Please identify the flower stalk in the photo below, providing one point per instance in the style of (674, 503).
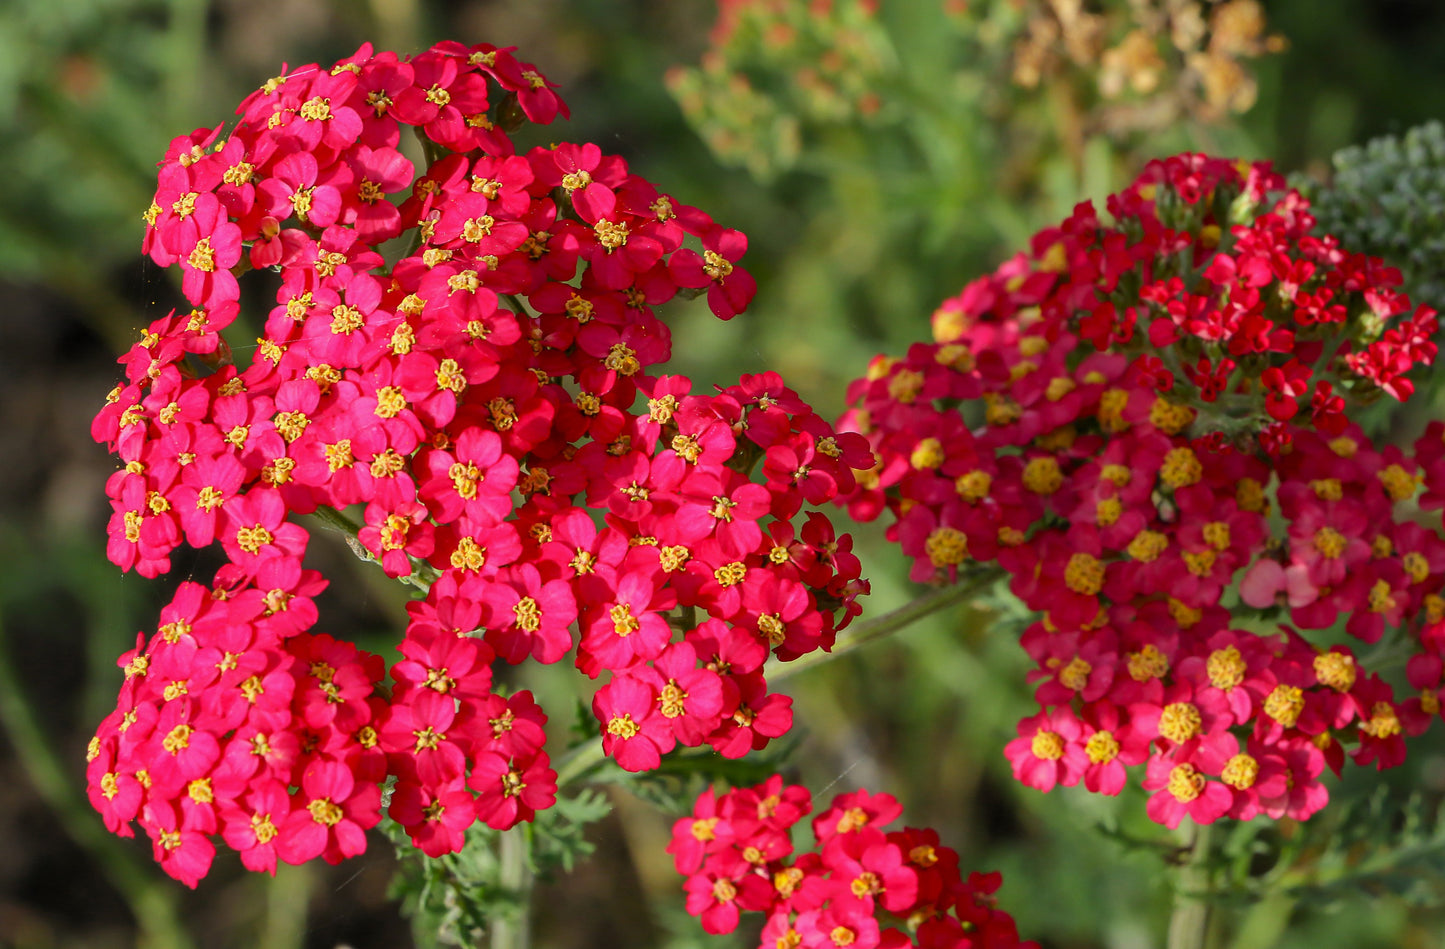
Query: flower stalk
(514, 930)
(1189, 922)
(879, 627)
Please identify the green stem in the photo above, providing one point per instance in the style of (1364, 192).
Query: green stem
(433, 152)
(510, 932)
(1265, 924)
(861, 634)
(582, 759)
(1189, 923)
(336, 520)
(150, 899)
(422, 575)
(578, 762)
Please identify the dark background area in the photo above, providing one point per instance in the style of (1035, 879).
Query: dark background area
(91, 91)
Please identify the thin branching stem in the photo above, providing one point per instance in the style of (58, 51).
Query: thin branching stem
(515, 877)
(578, 763)
(879, 627)
(1189, 923)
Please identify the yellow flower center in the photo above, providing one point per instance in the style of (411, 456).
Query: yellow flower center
(1383, 722)
(1111, 410)
(1216, 535)
(946, 546)
(1117, 475)
(324, 812)
(528, 614)
(622, 360)
(1147, 546)
(1184, 614)
(390, 402)
(291, 425)
(688, 448)
(927, 454)
(316, 109)
(1285, 704)
(730, 574)
(1200, 563)
(1179, 722)
(1181, 468)
(1240, 772)
(771, 626)
(1047, 745)
(905, 385)
(622, 726)
(252, 689)
(1169, 418)
(262, 827)
(469, 555)
(252, 539)
(623, 622)
(1042, 475)
(611, 234)
(715, 265)
(672, 700)
(465, 478)
(1380, 599)
(1102, 747)
(338, 455)
(1399, 484)
(1329, 542)
(973, 486)
(1185, 783)
(703, 829)
(1226, 668)
(477, 228)
(1059, 387)
(1084, 574)
(1075, 675)
(202, 257)
(1148, 663)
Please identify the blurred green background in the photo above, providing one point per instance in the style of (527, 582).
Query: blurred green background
(866, 225)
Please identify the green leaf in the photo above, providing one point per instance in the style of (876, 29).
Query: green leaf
(558, 834)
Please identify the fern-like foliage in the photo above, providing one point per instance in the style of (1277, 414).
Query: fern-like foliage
(1387, 198)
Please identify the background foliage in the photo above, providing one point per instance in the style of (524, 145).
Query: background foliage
(856, 234)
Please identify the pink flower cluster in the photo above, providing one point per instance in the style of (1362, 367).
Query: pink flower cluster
(475, 399)
(861, 886)
(1143, 422)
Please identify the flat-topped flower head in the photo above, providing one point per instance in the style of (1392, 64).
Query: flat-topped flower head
(1150, 406)
(856, 886)
(461, 351)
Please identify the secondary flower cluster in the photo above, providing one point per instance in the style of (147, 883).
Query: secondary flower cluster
(474, 400)
(1154, 63)
(779, 74)
(861, 886)
(1144, 423)
(776, 71)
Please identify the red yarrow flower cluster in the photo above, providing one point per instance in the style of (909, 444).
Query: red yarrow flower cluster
(466, 405)
(1154, 436)
(861, 885)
